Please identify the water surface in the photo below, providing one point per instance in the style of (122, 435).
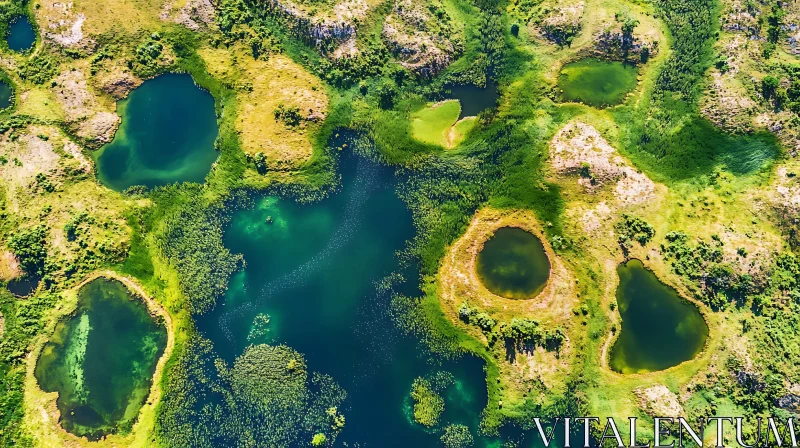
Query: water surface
(21, 35)
(101, 360)
(474, 99)
(5, 95)
(597, 82)
(659, 329)
(313, 270)
(513, 264)
(167, 135)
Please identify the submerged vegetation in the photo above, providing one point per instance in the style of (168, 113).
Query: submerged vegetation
(305, 91)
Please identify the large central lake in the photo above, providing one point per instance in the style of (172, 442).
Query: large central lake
(313, 270)
(659, 328)
(167, 135)
(101, 360)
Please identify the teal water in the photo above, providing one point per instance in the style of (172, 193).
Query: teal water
(513, 264)
(597, 82)
(659, 329)
(167, 135)
(101, 360)
(21, 35)
(5, 95)
(313, 270)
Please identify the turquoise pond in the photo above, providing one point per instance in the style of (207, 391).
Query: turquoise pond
(167, 135)
(312, 269)
(21, 35)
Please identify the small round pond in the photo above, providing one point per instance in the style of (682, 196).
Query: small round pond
(513, 264)
(167, 135)
(6, 93)
(101, 360)
(659, 328)
(21, 35)
(597, 82)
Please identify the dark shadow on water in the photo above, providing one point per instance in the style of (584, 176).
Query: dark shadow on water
(474, 99)
(23, 286)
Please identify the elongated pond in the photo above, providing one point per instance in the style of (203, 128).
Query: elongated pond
(21, 35)
(312, 269)
(513, 264)
(5, 95)
(167, 135)
(659, 328)
(101, 360)
(597, 82)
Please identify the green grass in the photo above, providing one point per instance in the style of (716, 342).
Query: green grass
(434, 123)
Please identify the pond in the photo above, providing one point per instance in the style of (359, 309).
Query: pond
(659, 328)
(167, 135)
(513, 264)
(101, 360)
(313, 270)
(597, 82)
(474, 99)
(21, 35)
(6, 92)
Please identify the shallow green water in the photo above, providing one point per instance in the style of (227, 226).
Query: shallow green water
(513, 264)
(21, 35)
(5, 95)
(597, 82)
(659, 329)
(101, 360)
(312, 269)
(167, 135)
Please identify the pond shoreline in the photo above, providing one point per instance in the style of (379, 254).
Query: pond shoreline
(41, 413)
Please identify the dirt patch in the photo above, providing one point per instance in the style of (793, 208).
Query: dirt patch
(84, 111)
(579, 149)
(659, 401)
(62, 24)
(9, 266)
(194, 14)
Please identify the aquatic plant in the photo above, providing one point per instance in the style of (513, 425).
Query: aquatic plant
(428, 404)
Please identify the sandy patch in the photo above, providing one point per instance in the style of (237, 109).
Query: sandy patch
(579, 149)
(659, 401)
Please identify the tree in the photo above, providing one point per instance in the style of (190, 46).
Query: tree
(30, 247)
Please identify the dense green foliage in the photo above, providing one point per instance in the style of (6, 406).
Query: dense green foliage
(265, 399)
(192, 243)
(29, 246)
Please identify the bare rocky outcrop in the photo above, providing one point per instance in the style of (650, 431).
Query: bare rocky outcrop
(659, 401)
(562, 23)
(325, 33)
(118, 83)
(83, 110)
(612, 43)
(410, 32)
(64, 26)
(194, 15)
(578, 149)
